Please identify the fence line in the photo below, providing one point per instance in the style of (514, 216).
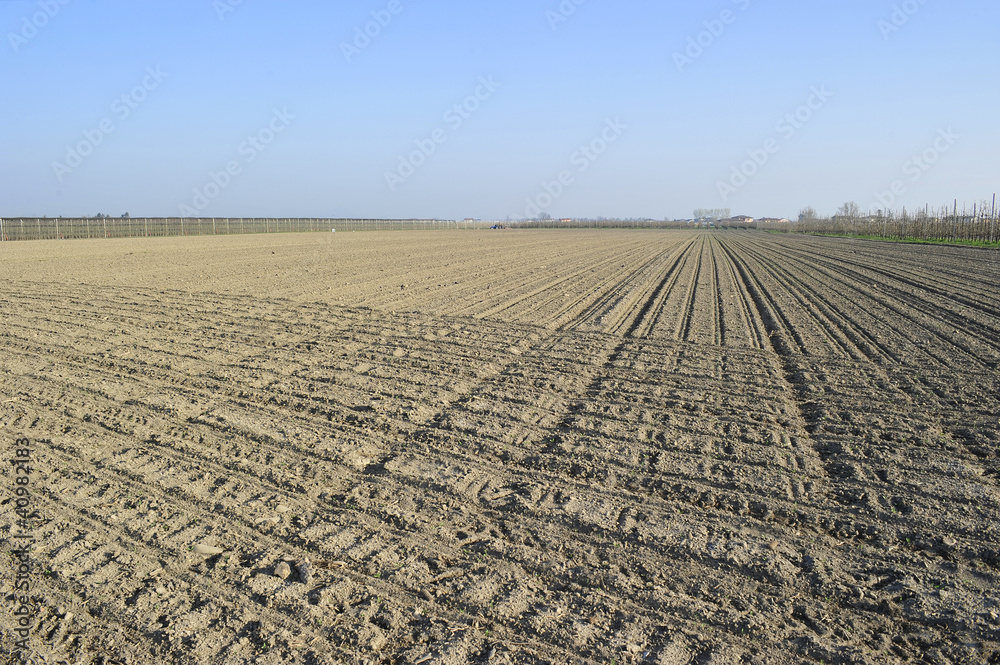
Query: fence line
(981, 224)
(66, 228)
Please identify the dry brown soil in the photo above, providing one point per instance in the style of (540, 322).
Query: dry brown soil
(504, 447)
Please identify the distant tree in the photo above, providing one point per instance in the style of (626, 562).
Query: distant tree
(808, 214)
(125, 216)
(850, 210)
(712, 213)
(544, 217)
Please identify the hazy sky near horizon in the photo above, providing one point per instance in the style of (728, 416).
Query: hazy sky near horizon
(416, 108)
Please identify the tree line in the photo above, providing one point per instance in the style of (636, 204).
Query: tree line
(978, 224)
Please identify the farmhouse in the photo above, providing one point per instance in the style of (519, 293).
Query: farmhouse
(738, 219)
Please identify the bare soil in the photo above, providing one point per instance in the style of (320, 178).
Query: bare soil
(504, 447)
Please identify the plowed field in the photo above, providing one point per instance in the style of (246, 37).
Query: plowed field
(503, 447)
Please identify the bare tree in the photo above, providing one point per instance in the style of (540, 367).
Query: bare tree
(850, 210)
(711, 213)
(808, 214)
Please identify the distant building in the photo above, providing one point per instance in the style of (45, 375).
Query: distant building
(738, 219)
(774, 220)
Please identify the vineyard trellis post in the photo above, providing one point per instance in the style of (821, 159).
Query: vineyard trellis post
(955, 220)
(976, 211)
(993, 220)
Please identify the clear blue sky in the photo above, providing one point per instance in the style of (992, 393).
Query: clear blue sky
(668, 131)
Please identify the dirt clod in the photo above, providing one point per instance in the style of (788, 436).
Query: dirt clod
(282, 570)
